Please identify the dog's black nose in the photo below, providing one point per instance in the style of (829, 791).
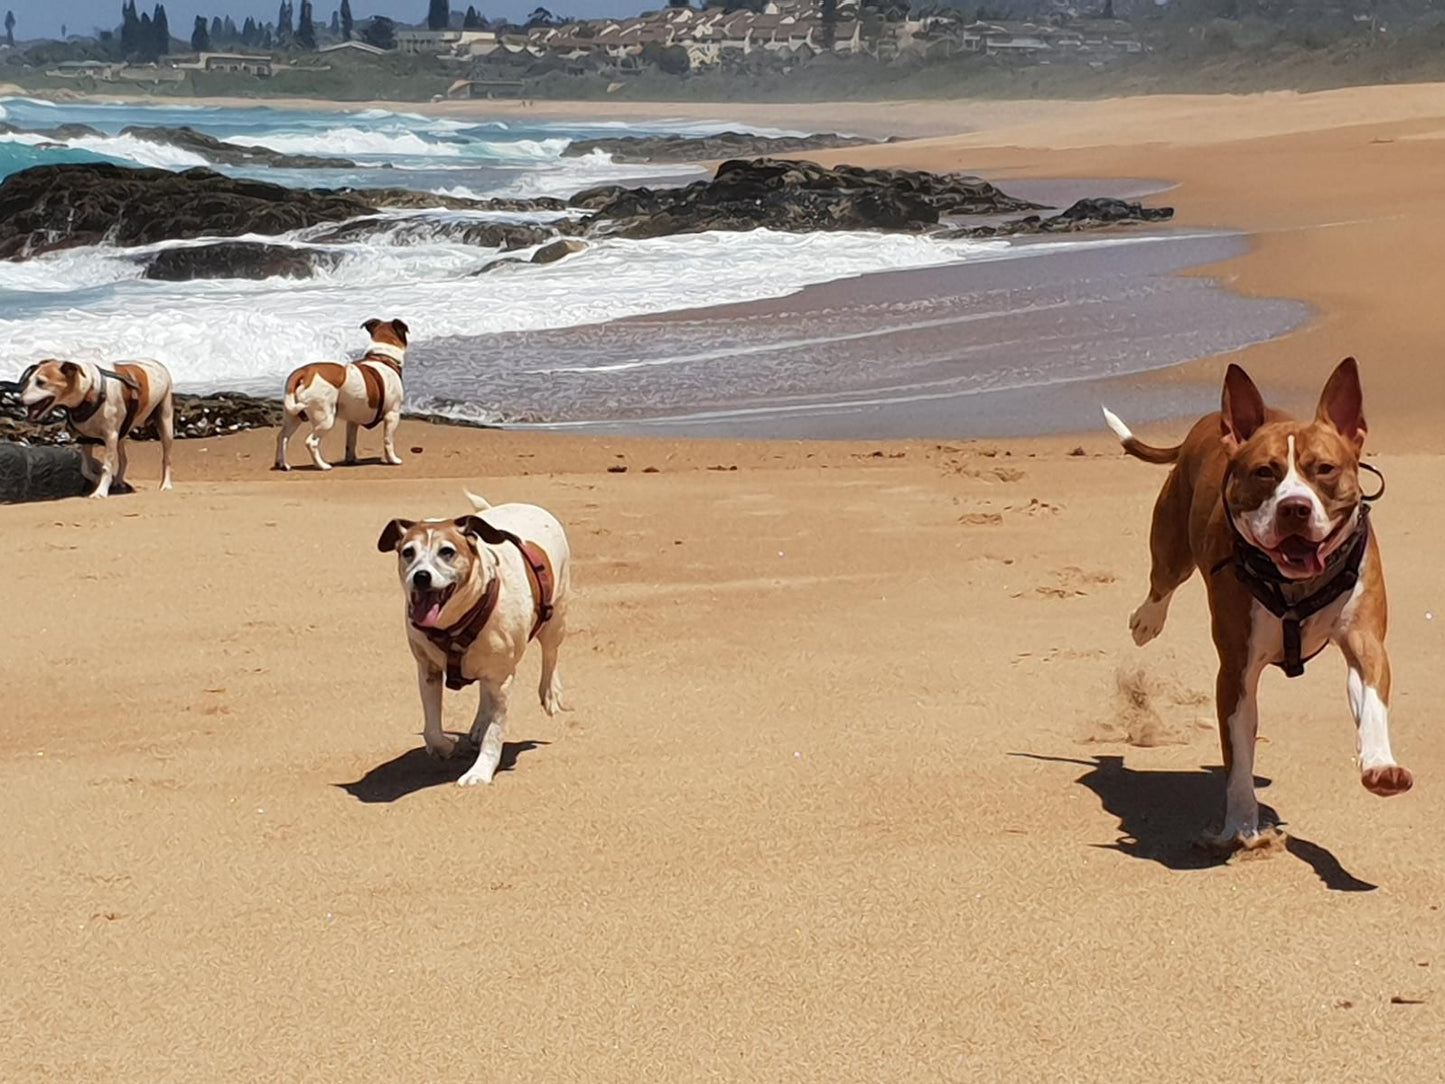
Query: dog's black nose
(1295, 510)
(421, 579)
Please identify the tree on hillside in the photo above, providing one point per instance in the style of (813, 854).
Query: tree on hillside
(10, 28)
(472, 20)
(438, 14)
(346, 23)
(201, 36)
(129, 29)
(285, 26)
(540, 17)
(305, 28)
(216, 31)
(145, 40)
(830, 23)
(228, 30)
(679, 3)
(335, 27)
(160, 31)
(248, 31)
(380, 32)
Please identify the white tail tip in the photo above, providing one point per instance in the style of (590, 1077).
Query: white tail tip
(479, 503)
(1116, 423)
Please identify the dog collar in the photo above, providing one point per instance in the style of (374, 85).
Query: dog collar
(1274, 591)
(386, 351)
(87, 410)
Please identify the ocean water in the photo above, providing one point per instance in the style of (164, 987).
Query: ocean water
(561, 344)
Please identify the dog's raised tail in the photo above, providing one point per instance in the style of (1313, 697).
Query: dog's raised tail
(1136, 447)
(481, 504)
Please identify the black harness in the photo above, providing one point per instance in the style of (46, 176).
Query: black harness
(1277, 592)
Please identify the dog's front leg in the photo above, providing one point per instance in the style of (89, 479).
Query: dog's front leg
(388, 438)
(487, 732)
(429, 680)
(1237, 701)
(1369, 688)
(109, 458)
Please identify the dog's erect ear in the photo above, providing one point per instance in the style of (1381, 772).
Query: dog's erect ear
(1342, 403)
(401, 330)
(1242, 408)
(370, 325)
(392, 534)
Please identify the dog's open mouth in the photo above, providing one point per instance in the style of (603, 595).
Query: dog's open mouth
(37, 411)
(1298, 556)
(425, 605)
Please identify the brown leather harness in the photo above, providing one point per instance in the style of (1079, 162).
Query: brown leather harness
(130, 396)
(376, 383)
(456, 641)
(1272, 590)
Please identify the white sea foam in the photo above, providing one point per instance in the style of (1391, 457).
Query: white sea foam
(121, 147)
(245, 334)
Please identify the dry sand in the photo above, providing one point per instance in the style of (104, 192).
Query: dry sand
(864, 779)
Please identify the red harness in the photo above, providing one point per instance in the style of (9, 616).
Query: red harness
(376, 383)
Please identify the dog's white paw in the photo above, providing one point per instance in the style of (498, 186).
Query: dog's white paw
(1147, 621)
(166, 487)
(393, 461)
(478, 773)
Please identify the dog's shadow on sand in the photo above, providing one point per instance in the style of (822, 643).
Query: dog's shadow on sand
(1162, 813)
(416, 769)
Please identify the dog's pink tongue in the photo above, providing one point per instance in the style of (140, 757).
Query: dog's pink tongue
(432, 616)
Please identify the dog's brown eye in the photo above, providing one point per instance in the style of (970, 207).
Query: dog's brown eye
(1325, 469)
(409, 552)
(1264, 472)
(446, 553)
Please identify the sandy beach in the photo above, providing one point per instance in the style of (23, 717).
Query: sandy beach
(864, 779)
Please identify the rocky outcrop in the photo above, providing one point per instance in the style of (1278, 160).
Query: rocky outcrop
(218, 152)
(60, 132)
(406, 198)
(794, 195)
(1086, 214)
(39, 474)
(239, 260)
(711, 148)
(62, 206)
(557, 250)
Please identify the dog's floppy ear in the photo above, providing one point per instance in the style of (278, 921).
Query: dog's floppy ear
(477, 527)
(1242, 408)
(370, 325)
(69, 369)
(392, 533)
(401, 330)
(1342, 403)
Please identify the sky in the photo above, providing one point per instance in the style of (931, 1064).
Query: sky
(44, 18)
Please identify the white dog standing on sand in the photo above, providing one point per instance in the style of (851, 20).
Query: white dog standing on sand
(104, 406)
(478, 590)
(368, 393)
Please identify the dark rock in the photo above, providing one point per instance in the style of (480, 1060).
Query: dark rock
(677, 148)
(557, 249)
(60, 131)
(406, 198)
(422, 231)
(239, 260)
(1086, 214)
(221, 153)
(794, 195)
(55, 207)
(40, 474)
(496, 264)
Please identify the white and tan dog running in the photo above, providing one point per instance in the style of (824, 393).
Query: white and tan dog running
(1271, 512)
(366, 393)
(104, 406)
(478, 590)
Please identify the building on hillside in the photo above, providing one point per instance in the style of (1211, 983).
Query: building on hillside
(244, 63)
(352, 47)
(427, 42)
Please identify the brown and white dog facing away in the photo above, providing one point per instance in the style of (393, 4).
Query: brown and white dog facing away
(1271, 512)
(104, 406)
(366, 393)
(478, 589)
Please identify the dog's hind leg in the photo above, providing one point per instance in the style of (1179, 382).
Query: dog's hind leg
(388, 438)
(487, 733)
(352, 429)
(1171, 561)
(549, 689)
(289, 424)
(166, 423)
(322, 420)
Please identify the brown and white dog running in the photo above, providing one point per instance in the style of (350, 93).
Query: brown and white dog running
(1271, 512)
(104, 406)
(478, 590)
(366, 393)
